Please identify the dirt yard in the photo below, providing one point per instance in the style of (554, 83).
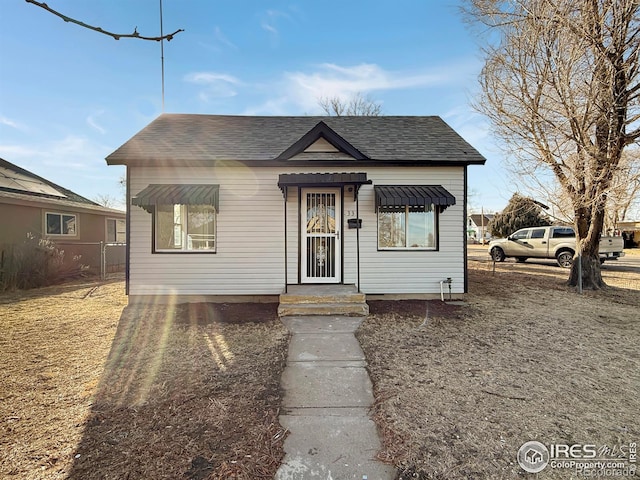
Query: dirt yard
(91, 389)
(459, 389)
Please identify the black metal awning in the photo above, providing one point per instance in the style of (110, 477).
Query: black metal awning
(396, 196)
(191, 194)
(322, 180)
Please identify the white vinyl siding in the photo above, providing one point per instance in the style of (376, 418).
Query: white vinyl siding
(407, 271)
(249, 255)
(250, 249)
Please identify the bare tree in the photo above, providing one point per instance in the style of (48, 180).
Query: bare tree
(116, 36)
(625, 189)
(105, 200)
(357, 105)
(560, 86)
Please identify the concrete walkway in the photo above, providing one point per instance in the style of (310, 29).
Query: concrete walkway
(327, 395)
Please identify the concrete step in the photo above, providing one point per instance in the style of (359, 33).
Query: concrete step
(354, 309)
(292, 298)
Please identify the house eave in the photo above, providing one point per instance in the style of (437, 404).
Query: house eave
(155, 162)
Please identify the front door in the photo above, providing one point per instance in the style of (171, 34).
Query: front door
(321, 251)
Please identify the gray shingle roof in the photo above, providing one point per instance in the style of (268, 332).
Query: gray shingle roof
(185, 138)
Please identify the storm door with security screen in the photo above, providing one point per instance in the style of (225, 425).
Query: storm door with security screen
(321, 252)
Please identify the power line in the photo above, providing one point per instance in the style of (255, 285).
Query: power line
(162, 54)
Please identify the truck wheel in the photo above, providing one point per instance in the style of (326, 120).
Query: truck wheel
(521, 259)
(497, 254)
(565, 258)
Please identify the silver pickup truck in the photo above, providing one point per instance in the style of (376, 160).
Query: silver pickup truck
(549, 242)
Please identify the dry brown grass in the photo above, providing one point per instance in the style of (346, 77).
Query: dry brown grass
(91, 389)
(526, 359)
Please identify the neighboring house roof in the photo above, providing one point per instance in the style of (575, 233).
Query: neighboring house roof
(196, 139)
(21, 186)
(476, 218)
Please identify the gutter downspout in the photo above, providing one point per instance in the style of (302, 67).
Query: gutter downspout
(358, 238)
(127, 252)
(286, 280)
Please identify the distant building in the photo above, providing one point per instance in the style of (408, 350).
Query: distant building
(32, 205)
(478, 227)
(630, 231)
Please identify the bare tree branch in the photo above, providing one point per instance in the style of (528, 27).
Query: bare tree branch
(561, 87)
(357, 105)
(116, 36)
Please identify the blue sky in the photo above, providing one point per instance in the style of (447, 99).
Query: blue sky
(70, 96)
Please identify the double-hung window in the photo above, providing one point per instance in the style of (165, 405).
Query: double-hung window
(185, 228)
(407, 227)
(61, 224)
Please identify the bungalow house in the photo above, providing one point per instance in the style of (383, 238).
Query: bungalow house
(228, 206)
(32, 205)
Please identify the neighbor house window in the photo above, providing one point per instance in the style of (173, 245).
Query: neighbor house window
(116, 230)
(180, 228)
(61, 224)
(407, 227)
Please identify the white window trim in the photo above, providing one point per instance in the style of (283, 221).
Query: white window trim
(185, 235)
(436, 233)
(62, 235)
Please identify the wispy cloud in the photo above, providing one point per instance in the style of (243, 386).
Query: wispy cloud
(205, 78)
(298, 92)
(91, 120)
(271, 22)
(472, 126)
(222, 38)
(218, 43)
(76, 152)
(214, 85)
(332, 80)
(273, 106)
(75, 162)
(18, 152)
(70, 152)
(270, 19)
(13, 124)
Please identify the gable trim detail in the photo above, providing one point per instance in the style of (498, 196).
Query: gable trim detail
(322, 130)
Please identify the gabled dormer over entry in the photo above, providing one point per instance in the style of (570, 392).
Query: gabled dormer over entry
(320, 141)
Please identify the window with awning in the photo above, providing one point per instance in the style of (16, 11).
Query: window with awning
(408, 215)
(389, 197)
(172, 194)
(184, 216)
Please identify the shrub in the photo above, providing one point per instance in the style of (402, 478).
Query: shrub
(37, 262)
